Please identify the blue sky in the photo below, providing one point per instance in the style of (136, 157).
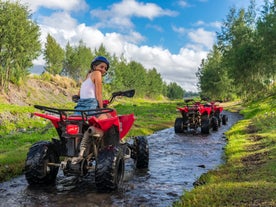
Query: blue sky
(172, 36)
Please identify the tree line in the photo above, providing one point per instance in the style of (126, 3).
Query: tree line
(20, 45)
(242, 63)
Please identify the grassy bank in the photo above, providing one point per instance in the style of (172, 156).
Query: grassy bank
(18, 135)
(249, 174)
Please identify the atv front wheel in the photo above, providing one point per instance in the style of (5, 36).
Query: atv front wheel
(141, 152)
(224, 119)
(110, 167)
(37, 170)
(205, 126)
(214, 123)
(218, 116)
(178, 125)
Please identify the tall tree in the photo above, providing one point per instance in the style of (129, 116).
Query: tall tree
(175, 91)
(19, 42)
(117, 79)
(240, 46)
(266, 34)
(214, 82)
(154, 83)
(68, 61)
(135, 77)
(77, 61)
(53, 55)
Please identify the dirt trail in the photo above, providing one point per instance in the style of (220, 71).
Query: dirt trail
(176, 161)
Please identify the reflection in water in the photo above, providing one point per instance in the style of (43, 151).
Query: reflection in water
(176, 161)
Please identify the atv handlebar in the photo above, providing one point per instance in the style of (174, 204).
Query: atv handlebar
(129, 93)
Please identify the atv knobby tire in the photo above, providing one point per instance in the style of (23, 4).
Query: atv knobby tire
(224, 119)
(110, 167)
(178, 125)
(215, 123)
(141, 152)
(205, 126)
(37, 170)
(217, 114)
(111, 137)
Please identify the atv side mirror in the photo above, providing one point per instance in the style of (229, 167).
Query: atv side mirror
(205, 99)
(128, 93)
(188, 100)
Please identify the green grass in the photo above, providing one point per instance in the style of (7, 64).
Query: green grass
(248, 176)
(14, 148)
(20, 118)
(149, 117)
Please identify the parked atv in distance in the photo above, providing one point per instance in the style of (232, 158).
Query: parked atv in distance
(216, 113)
(86, 144)
(194, 115)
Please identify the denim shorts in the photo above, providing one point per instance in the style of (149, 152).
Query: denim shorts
(86, 104)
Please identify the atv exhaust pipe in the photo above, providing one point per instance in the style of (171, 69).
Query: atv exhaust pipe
(87, 140)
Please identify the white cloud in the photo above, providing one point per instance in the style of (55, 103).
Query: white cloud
(155, 27)
(183, 3)
(67, 5)
(179, 30)
(119, 14)
(215, 24)
(60, 20)
(202, 37)
(199, 23)
(133, 8)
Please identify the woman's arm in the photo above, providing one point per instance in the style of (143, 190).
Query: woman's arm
(97, 80)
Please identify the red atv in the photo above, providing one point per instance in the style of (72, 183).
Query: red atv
(216, 111)
(193, 117)
(86, 144)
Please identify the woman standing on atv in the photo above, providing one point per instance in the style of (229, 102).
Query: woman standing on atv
(91, 89)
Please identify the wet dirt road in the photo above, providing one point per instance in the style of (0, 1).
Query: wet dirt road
(176, 161)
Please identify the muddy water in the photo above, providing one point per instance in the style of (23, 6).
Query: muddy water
(176, 161)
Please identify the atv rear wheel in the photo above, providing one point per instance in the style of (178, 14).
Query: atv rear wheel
(141, 152)
(111, 137)
(37, 170)
(224, 119)
(178, 125)
(218, 116)
(205, 126)
(110, 167)
(214, 123)
(219, 121)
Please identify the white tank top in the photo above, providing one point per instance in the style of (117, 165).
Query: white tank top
(87, 89)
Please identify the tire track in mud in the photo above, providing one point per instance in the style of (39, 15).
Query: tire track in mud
(176, 161)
